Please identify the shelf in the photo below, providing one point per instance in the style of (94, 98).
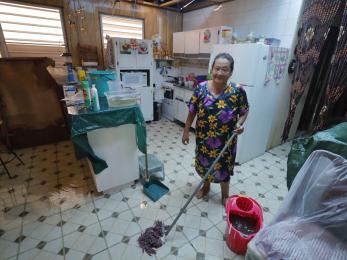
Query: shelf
(164, 59)
(194, 57)
(163, 62)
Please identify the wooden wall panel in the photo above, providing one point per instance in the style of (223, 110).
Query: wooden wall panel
(155, 20)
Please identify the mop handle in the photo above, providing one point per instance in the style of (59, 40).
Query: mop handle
(146, 166)
(201, 182)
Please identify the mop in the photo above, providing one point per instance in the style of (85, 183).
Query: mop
(154, 237)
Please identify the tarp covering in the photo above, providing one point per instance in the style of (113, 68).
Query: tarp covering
(333, 140)
(84, 122)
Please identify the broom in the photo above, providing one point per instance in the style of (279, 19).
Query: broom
(152, 239)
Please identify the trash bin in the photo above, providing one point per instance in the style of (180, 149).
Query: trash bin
(157, 108)
(100, 78)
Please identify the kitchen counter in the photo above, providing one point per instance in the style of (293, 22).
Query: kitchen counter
(182, 96)
(183, 87)
(175, 103)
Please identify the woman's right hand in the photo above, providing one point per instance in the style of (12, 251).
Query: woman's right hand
(185, 137)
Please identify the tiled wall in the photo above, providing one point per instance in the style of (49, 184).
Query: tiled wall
(271, 18)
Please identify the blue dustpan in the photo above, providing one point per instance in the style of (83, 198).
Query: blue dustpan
(154, 189)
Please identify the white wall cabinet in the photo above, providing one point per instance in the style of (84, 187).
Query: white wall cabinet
(208, 37)
(191, 42)
(178, 42)
(201, 41)
(129, 58)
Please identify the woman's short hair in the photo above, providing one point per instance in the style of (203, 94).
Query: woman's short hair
(226, 56)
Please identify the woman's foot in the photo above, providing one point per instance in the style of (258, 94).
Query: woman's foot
(225, 192)
(205, 189)
(224, 200)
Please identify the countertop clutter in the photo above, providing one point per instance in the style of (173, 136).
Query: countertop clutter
(107, 127)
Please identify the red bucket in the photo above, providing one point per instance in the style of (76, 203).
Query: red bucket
(244, 220)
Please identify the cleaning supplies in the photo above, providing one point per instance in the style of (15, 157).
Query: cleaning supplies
(86, 93)
(244, 220)
(100, 78)
(81, 74)
(95, 98)
(152, 239)
(70, 74)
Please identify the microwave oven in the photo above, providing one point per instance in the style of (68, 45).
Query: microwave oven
(134, 78)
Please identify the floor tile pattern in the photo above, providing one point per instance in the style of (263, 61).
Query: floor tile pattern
(50, 208)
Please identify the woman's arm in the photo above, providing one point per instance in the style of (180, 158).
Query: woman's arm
(239, 127)
(242, 119)
(189, 121)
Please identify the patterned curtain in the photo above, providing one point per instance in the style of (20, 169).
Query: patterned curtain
(337, 82)
(316, 19)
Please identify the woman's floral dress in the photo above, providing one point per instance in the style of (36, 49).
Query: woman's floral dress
(216, 120)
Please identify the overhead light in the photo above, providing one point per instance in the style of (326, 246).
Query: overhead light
(188, 4)
(217, 8)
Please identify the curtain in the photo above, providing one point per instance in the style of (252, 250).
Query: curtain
(316, 19)
(337, 82)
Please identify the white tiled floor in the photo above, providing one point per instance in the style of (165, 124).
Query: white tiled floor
(51, 210)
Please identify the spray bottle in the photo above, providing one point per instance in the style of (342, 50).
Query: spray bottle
(95, 98)
(86, 93)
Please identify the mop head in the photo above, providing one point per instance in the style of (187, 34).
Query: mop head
(151, 239)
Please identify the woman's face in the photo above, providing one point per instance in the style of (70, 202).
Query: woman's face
(221, 71)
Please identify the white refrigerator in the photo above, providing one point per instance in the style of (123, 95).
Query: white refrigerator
(250, 69)
(133, 59)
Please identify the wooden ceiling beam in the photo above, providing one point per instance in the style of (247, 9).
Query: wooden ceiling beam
(170, 3)
(151, 4)
(200, 5)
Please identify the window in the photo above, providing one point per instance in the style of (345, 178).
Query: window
(32, 31)
(117, 26)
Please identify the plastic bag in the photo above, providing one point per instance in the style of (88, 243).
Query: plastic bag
(332, 140)
(312, 220)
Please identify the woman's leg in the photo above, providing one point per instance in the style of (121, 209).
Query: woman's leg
(225, 191)
(205, 189)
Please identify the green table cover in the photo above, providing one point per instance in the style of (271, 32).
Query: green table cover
(333, 140)
(85, 121)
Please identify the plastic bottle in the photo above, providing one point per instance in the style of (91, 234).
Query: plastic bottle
(95, 98)
(86, 93)
(70, 74)
(81, 74)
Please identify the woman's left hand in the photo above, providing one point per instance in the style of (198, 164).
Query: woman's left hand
(239, 130)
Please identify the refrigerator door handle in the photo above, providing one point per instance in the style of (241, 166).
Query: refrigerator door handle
(130, 88)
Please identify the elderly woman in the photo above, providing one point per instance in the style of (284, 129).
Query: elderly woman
(221, 109)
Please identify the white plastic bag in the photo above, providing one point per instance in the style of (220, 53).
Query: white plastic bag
(312, 220)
